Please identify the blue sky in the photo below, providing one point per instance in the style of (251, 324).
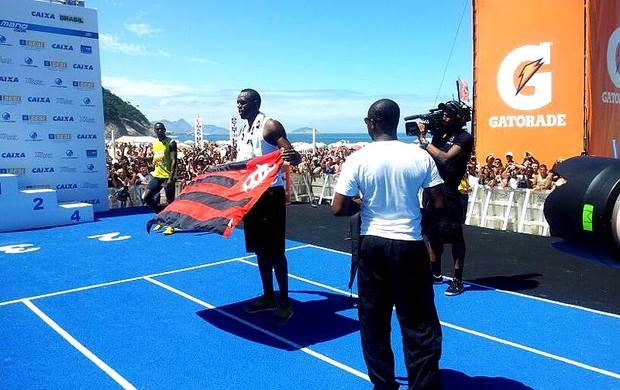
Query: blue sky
(316, 64)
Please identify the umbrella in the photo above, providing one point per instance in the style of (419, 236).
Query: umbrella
(355, 224)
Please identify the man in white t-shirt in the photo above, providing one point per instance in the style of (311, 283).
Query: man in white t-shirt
(394, 267)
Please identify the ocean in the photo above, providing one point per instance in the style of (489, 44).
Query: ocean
(327, 138)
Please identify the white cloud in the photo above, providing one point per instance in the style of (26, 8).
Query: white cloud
(326, 110)
(127, 87)
(142, 29)
(112, 43)
(201, 60)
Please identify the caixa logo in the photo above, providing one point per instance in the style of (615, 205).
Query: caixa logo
(38, 99)
(66, 186)
(44, 15)
(91, 201)
(13, 155)
(82, 66)
(42, 170)
(86, 136)
(63, 118)
(62, 46)
(9, 79)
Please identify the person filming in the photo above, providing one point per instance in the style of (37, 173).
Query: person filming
(451, 147)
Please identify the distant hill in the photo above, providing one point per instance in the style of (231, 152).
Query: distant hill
(177, 127)
(123, 118)
(303, 130)
(182, 127)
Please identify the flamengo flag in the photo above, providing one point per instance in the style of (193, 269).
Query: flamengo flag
(463, 90)
(217, 200)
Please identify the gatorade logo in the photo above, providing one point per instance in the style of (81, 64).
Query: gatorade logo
(613, 57)
(532, 89)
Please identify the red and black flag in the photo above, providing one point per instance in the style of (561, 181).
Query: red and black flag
(217, 200)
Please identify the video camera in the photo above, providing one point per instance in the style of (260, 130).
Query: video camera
(433, 120)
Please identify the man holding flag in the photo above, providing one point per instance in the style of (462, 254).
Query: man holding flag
(264, 225)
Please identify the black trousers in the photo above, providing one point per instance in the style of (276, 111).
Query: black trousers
(397, 273)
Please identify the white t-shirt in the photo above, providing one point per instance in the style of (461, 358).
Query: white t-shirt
(389, 176)
(251, 143)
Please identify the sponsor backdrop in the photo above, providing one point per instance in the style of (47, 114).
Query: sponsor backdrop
(51, 105)
(604, 73)
(540, 77)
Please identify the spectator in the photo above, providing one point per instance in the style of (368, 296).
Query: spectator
(542, 180)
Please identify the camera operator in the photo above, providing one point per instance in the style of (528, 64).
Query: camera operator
(451, 148)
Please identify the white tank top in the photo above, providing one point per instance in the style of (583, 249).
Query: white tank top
(251, 143)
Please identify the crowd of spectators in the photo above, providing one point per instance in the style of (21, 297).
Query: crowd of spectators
(128, 169)
(508, 173)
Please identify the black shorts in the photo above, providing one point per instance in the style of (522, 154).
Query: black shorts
(447, 224)
(265, 224)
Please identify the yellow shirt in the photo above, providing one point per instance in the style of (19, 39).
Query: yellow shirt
(161, 159)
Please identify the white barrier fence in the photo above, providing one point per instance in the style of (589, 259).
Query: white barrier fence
(517, 210)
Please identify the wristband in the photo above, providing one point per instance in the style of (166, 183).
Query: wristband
(424, 145)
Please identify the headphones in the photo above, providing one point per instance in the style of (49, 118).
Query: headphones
(459, 111)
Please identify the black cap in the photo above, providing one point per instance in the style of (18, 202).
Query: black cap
(452, 107)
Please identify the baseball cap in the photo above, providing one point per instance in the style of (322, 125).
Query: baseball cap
(509, 154)
(450, 107)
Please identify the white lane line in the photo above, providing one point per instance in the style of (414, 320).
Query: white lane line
(473, 332)
(325, 286)
(32, 298)
(306, 350)
(507, 292)
(77, 345)
(243, 260)
(533, 350)
(117, 282)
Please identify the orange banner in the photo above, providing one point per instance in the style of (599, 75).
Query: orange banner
(604, 76)
(529, 78)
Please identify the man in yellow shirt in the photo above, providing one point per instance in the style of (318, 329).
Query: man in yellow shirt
(165, 162)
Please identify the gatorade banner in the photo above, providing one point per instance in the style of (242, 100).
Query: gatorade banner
(217, 200)
(604, 82)
(51, 104)
(529, 79)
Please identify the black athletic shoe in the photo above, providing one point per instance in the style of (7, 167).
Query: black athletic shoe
(283, 313)
(455, 288)
(262, 304)
(437, 279)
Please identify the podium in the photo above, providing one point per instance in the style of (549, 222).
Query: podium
(31, 209)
